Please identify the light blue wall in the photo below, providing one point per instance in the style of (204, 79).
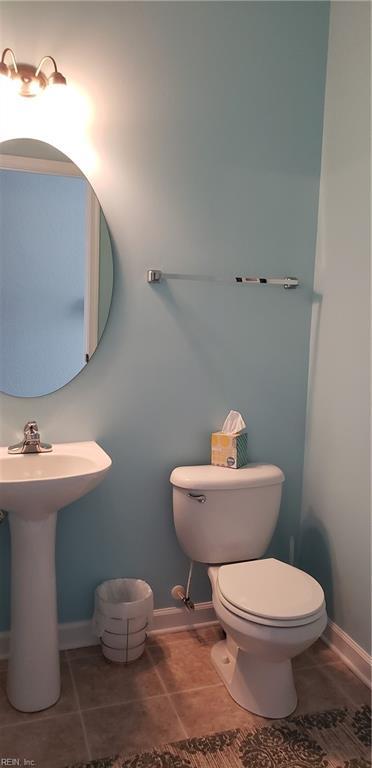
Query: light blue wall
(42, 270)
(209, 136)
(336, 527)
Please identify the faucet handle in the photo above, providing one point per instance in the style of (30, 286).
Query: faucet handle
(31, 431)
(31, 442)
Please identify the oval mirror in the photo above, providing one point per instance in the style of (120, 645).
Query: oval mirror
(56, 269)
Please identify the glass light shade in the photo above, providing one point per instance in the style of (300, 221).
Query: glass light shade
(56, 78)
(4, 70)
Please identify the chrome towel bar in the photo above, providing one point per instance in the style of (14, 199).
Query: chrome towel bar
(156, 276)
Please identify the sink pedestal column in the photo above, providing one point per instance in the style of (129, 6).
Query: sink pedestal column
(33, 673)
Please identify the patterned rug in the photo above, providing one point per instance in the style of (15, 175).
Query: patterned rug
(338, 738)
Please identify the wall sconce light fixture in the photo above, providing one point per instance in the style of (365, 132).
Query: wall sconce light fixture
(29, 80)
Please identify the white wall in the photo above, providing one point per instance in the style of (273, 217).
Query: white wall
(336, 525)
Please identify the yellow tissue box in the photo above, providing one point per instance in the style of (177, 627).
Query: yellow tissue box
(229, 450)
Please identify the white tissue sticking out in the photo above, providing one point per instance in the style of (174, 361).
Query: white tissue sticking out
(233, 423)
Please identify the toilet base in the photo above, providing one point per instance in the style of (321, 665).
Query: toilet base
(263, 687)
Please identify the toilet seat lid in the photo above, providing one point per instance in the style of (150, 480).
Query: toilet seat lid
(270, 589)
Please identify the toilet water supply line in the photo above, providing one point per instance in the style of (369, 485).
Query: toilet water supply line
(187, 599)
(180, 593)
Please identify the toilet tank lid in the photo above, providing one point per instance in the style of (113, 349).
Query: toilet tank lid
(208, 477)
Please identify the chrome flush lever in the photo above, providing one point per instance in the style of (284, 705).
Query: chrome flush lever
(198, 497)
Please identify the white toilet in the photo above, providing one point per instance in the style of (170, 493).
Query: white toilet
(269, 610)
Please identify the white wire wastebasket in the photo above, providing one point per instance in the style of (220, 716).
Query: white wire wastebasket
(122, 615)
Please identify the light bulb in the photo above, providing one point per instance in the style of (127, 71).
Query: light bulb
(7, 85)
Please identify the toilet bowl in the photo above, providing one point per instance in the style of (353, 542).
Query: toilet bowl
(270, 611)
(254, 661)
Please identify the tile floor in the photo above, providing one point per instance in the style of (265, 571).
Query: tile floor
(172, 692)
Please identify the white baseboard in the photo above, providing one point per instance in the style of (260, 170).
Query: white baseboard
(177, 619)
(355, 657)
(78, 634)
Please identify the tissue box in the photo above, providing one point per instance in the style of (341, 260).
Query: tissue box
(229, 450)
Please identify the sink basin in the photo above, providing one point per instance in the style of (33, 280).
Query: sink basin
(33, 484)
(33, 487)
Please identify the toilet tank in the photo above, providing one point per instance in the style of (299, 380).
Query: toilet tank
(225, 515)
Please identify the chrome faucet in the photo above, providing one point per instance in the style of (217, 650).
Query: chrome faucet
(31, 442)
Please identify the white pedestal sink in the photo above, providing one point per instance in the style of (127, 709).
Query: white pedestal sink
(33, 487)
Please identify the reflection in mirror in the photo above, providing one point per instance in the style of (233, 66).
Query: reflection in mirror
(56, 269)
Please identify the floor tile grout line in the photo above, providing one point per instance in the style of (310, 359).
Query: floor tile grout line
(350, 700)
(306, 665)
(171, 703)
(196, 690)
(180, 690)
(32, 720)
(314, 665)
(178, 718)
(151, 642)
(124, 702)
(152, 645)
(352, 704)
(77, 697)
(85, 656)
(79, 710)
(149, 646)
(150, 698)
